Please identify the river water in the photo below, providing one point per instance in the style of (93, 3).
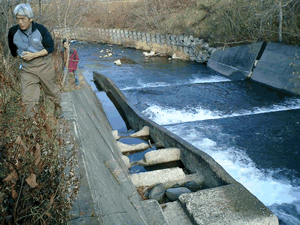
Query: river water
(250, 129)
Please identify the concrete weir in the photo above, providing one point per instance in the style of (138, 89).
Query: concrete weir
(222, 200)
(279, 67)
(273, 64)
(236, 62)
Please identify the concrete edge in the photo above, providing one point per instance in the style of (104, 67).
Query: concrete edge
(135, 120)
(229, 204)
(116, 166)
(154, 213)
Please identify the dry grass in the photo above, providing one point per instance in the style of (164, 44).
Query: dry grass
(141, 191)
(37, 159)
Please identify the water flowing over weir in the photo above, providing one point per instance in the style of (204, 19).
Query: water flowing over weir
(251, 130)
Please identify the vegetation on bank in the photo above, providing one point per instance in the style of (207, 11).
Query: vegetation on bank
(37, 158)
(38, 179)
(229, 22)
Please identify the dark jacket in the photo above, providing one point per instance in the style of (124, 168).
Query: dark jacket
(39, 39)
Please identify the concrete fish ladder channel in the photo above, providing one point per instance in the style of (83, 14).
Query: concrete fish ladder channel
(221, 200)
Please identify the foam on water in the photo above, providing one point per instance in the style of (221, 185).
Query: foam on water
(164, 116)
(272, 192)
(212, 79)
(141, 85)
(195, 80)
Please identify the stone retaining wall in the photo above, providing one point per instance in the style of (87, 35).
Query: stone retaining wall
(184, 47)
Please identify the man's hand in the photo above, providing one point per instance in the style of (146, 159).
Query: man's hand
(66, 45)
(28, 56)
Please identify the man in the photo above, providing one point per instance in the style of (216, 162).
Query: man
(33, 43)
(73, 60)
(73, 63)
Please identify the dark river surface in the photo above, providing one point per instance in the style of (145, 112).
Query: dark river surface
(250, 129)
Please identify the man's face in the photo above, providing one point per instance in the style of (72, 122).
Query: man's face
(23, 21)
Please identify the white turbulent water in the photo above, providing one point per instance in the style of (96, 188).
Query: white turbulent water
(235, 161)
(165, 116)
(195, 80)
(238, 164)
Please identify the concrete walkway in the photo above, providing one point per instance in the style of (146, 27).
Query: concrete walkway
(106, 196)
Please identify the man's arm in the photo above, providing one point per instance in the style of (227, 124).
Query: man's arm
(47, 41)
(30, 55)
(12, 47)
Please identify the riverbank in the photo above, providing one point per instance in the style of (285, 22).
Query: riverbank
(176, 47)
(37, 159)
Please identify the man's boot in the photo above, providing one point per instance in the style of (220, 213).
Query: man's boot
(57, 111)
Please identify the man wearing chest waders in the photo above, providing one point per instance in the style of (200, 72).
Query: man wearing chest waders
(33, 43)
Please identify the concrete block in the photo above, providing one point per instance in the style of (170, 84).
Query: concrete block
(186, 41)
(175, 214)
(154, 213)
(180, 40)
(115, 133)
(196, 177)
(141, 133)
(196, 42)
(173, 39)
(132, 148)
(186, 50)
(168, 177)
(126, 161)
(227, 205)
(160, 156)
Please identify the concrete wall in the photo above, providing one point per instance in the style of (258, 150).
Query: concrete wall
(185, 47)
(268, 63)
(279, 67)
(236, 62)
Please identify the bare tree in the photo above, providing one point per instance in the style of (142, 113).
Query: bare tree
(69, 14)
(6, 15)
(280, 20)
